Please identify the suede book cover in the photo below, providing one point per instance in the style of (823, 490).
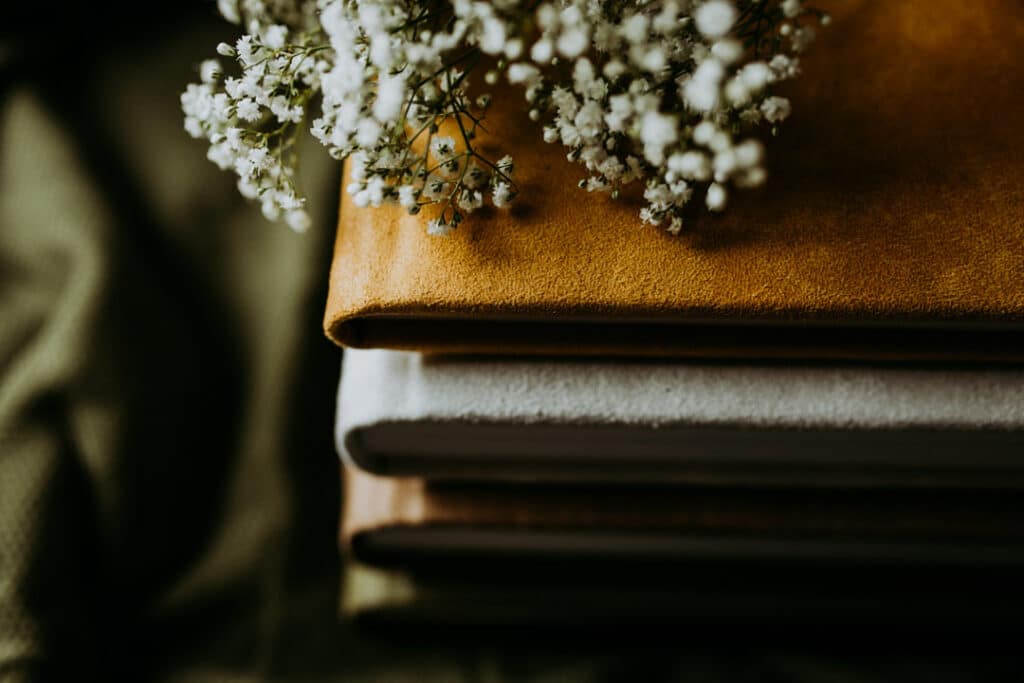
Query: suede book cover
(486, 418)
(422, 553)
(892, 224)
(600, 599)
(389, 520)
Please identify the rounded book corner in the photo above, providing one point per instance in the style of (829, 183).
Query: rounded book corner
(342, 331)
(354, 453)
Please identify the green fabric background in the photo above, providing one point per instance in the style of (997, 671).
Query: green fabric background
(168, 485)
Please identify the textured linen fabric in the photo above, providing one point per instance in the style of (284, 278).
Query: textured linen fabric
(853, 416)
(893, 197)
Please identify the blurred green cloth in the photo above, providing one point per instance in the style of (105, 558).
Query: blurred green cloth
(168, 486)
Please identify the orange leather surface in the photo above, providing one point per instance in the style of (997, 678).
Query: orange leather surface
(895, 196)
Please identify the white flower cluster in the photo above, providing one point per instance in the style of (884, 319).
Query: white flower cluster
(665, 91)
(251, 121)
(399, 76)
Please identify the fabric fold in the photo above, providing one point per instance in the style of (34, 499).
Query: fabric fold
(892, 226)
(389, 520)
(511, 554)
(406, 413)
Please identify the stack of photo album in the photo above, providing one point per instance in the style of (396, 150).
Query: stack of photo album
(807, 408)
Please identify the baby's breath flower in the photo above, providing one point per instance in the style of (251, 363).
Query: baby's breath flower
(438, 226)
(775, 109)
(442, 147)
(210, 71)
(791, 8)
(229, 10)
(716, 197)
(664, 91)
(506, 165)
(715, 17)
(502, 195)
(471, 200)
(298, 220)
(274, 36)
